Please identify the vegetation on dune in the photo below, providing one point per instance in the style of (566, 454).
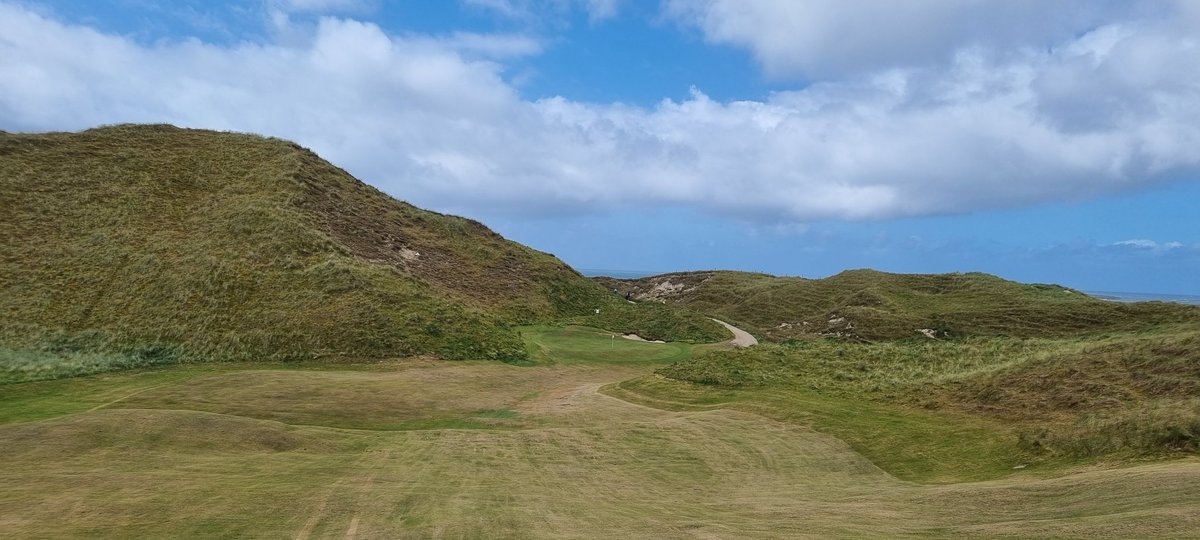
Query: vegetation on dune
(1125, 394)
(42, 363)
(471, 263)
(849, 368)
(226, 246)
(1131, 394)
(1059, 374)
(872, 305)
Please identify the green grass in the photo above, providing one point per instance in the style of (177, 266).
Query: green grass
(872, 305)
(233, 247)
(20, 365)
(582, 345)
(1056, 400)
(908, 442)
(483, 449)
(33, 401)
(852, 369)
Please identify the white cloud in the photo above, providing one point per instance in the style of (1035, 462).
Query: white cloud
(432, 120)
(599, 10)
(822, 37)
(1149, 244)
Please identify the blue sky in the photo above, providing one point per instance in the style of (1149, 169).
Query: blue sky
(1048, 141)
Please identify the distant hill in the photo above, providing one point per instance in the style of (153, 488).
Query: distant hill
(190, 243)
(876, 305)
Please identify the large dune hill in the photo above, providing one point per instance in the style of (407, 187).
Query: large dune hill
(168, 243)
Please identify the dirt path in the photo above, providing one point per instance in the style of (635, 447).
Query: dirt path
(741, 338)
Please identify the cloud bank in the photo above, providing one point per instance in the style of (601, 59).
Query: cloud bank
(432, 119)
(835, 37)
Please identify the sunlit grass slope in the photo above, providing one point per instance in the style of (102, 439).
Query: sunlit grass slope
(1111, 398)
(582, 345)
(139, 245)
(419, 448)
(1057, 374)
(873, 305)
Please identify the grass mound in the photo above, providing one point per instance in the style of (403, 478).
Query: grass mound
(868, 304)
(1133, 395)
(1071, 376)
(1124, 395)
(237, 247)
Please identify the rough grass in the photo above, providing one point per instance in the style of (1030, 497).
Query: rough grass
(1126, 395)
(225, 246)
(872, 305)
(1110, 398)
(145, 454)
(1155, 427)
(20, 365)
(851, 368)
(910, 443)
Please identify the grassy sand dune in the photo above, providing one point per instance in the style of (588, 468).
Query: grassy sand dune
(128, 246)
(1112, 398)
(873, 305)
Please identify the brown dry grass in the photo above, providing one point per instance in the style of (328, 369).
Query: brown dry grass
(868, 304)
(129, 246)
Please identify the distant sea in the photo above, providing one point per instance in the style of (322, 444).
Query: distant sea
(1145, 297)
(620, 274)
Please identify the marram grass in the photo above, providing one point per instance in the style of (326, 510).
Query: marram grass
(232, 247)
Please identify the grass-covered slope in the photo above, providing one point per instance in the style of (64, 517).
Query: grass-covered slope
(877, 305)
(1113, 397)
(156, 243)
(487, 450)
(1127, 394)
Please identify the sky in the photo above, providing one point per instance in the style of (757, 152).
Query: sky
(1039, 140)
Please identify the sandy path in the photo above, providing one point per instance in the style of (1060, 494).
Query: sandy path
(741, 338)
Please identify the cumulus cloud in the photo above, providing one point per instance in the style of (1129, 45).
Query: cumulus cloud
(814, 38)
(433, 120)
